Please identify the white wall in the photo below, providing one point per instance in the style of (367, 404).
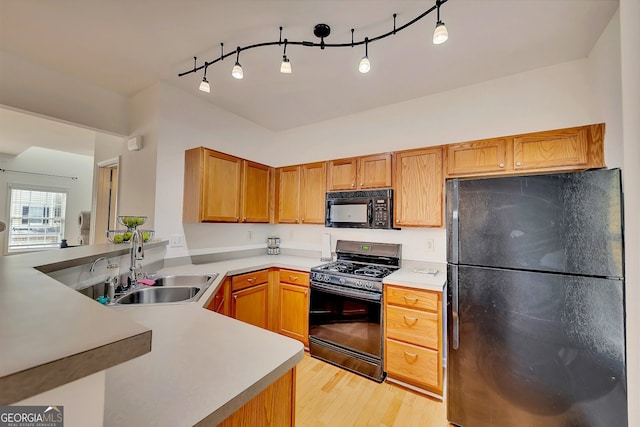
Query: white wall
(630, 66)
(42, 160)
(39, 89)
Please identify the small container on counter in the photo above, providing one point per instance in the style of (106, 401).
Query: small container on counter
(273, 245)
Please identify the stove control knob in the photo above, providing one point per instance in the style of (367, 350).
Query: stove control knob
(358, 284)
(368, 285)
(342, 281)
(327, 278)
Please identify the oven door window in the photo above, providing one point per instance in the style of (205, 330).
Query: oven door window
(346, 321)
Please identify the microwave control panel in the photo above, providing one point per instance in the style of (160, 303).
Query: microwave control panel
(380, 213)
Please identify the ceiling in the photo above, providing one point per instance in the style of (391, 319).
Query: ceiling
(126, 46)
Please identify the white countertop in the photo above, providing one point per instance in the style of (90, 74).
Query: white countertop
(419, 275)
(203, 366)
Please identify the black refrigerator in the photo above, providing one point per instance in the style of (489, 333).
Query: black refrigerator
(535, 301)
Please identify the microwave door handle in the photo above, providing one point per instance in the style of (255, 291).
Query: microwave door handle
(370, 212)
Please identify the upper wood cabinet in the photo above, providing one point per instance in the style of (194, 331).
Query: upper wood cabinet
(300, 194)
(313, 187)
(418, 188)
(359, 172)
(492, 156)
(256, 192)
(549, 151)
(223, 188)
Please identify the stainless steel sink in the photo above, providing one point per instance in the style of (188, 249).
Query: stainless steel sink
(168, 289)
(160, 295)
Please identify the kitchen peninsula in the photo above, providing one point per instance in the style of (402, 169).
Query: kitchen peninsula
(202, 368)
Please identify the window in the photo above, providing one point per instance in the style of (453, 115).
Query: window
(36, 218)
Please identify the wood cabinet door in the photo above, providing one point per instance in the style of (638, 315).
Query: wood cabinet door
(374, 171)
(552, 150)
(419, 188)
(341, 174)
(250, 305)
(312, 192)
(288, 194)
(489, 156)
(222, 175)
(293, 319)
(256, 195)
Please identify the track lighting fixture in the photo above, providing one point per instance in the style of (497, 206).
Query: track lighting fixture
(322, 31)
(237, 72)
(204, 84)
(364, 65)
(440, 34)
(285, 67)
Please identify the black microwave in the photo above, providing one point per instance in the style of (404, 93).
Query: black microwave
(359, 209)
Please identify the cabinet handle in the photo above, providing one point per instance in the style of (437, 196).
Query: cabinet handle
(518, 163)
(501, 165)
(294, 278)
(414, 299)
(413, 320)
(235, 297)
(251, 279)
(412, 355)
(306, 292)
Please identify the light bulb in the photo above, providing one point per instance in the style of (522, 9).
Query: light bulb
(285, 67)
(204, 86)
(440, 34)
(237, 72)
(364, 65)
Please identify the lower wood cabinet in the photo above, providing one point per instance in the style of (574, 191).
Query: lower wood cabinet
(293, 305)
(250, 298)
(273, 407)
(413, 338)
(274, 299)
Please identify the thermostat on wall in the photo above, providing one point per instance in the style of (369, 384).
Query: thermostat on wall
(135, 143)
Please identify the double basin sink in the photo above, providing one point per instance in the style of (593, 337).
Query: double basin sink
(166, 289)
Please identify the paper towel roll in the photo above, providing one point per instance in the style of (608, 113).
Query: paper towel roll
(326, 247)
(84, 220)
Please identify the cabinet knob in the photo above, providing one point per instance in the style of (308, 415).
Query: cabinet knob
(518, 163)
(251, 279)
(361, 184)
(306, 292)
(501, 165)
(244, 219)
(353, 184)
(302, 219)
(237, 218)
(235, 297)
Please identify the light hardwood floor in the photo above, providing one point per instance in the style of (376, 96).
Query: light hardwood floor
(327, 396)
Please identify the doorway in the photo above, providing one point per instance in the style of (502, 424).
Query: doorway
(106, 200)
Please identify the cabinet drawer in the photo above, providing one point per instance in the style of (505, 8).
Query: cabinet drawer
(413, 298)
(247, 280)
(416, 365)
(412, 326)
(294, 277)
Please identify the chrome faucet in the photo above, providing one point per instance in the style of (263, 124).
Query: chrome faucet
(97, 260)
(137, 253)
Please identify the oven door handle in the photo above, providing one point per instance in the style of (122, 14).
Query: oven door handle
(339, 290)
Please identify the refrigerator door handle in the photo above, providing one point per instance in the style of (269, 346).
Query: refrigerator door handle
(454, 223)
(455, 318)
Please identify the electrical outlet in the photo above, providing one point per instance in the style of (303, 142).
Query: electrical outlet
(429, 245)
(176, 241)
(249, 235)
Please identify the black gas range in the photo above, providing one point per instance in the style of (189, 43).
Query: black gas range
(345, 307)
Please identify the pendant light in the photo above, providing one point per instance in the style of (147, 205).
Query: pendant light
(365, 65)
(440, 34)
(237, 72)
(204, 84)
(285, 67)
